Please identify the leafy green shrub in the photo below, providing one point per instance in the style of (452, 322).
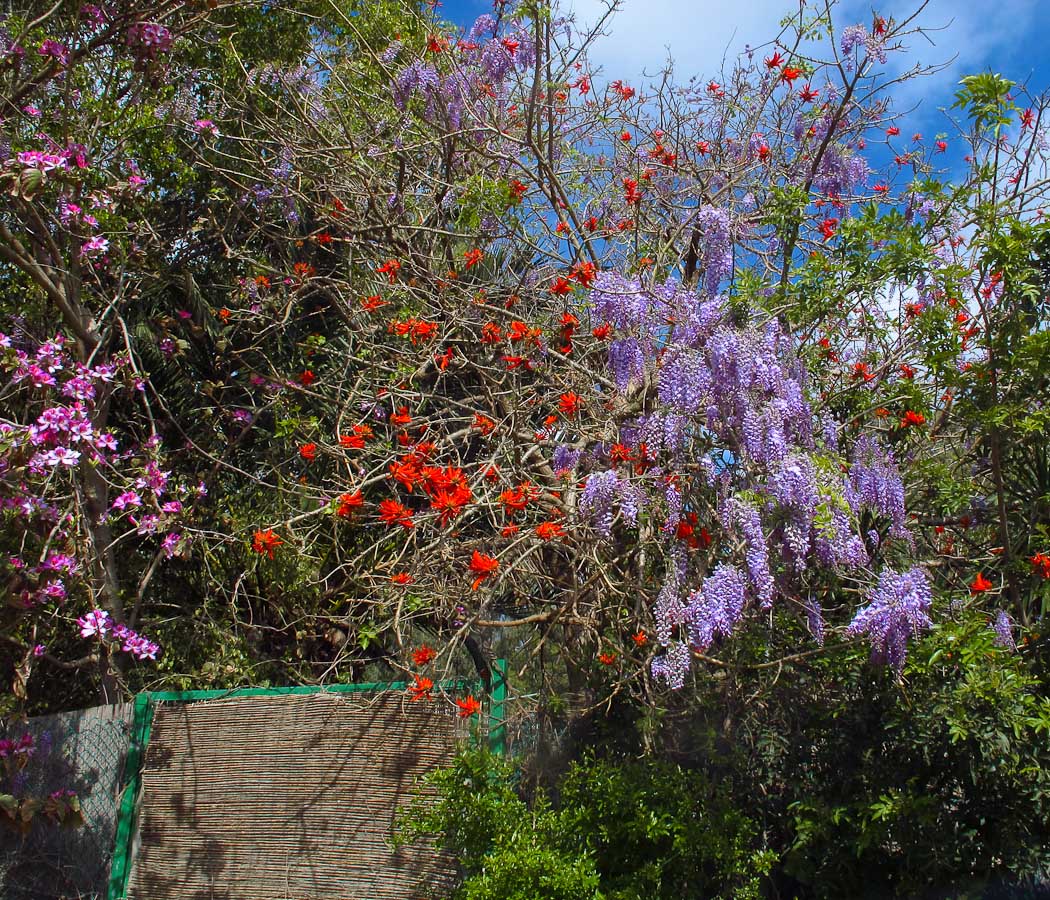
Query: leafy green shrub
(620, 830)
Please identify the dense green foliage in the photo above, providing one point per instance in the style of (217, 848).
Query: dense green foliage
(613, 829)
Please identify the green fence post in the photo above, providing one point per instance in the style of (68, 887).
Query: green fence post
(497, 725)
(120, 867)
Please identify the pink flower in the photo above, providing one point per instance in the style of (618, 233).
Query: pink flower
(53, 48)
(206, 126)
(126, 500)
(170, 544)
(94, 247)
(61, 456)
(96, 622)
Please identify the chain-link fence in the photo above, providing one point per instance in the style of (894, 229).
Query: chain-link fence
(82, 751)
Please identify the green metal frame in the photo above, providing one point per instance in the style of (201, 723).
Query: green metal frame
(142, 724)
(120, 868)
(497, 721)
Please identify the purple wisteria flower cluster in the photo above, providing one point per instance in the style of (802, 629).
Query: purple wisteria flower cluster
(483, 61)
(730, 430)
(898, 608)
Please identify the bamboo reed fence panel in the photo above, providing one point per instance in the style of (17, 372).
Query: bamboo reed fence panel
(288, 798)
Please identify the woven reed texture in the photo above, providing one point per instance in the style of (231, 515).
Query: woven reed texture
(288, 798)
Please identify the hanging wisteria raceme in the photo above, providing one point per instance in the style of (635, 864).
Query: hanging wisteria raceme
(731, 398)
(898, 608)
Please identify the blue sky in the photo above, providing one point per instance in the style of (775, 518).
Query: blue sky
(1008, 36)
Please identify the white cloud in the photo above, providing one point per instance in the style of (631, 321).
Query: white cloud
(698, 34)
(695, 34)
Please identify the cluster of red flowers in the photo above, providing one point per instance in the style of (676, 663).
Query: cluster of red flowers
(390, 268)
(1041, 564)
(569, 324)
(348, 504)
(631, 195)
(691, 533)
(515, 500)
(357, 438)
(266, 542)
(483, 566)
(570, 403)
(446, 487)
(422, 687)
(415, 329)
(912, 418)
(980, 584)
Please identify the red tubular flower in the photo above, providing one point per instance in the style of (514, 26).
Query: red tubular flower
(601, 332)
(468, 706)
(807, 94)
(606, 659)
(356, 440)
(789, 74)
(491, 333)
(640, 639)
(423, 655)
(561, 287)
(514, 501)
(631, 193)
(519, 331)
(266, 542)
(473, 257)
(390, 268)
(549, 531)
(775, 61)
(308, 452)
(483, 424)
(368, 304)
(420, 688)
(980, 584)
(401, 417)
(583, 273)
(570, 403)
(391, 512)
(1041, 564)
(912, 418)
(401, 578)
(442, 360)
(483, 566)
(307, 378)
(349, 504)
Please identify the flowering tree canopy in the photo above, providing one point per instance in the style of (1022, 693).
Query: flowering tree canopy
(343, 342)
(390, 330)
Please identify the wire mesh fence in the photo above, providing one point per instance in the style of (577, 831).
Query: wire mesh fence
(82, 751)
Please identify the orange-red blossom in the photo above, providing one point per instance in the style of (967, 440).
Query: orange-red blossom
(483, 566)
